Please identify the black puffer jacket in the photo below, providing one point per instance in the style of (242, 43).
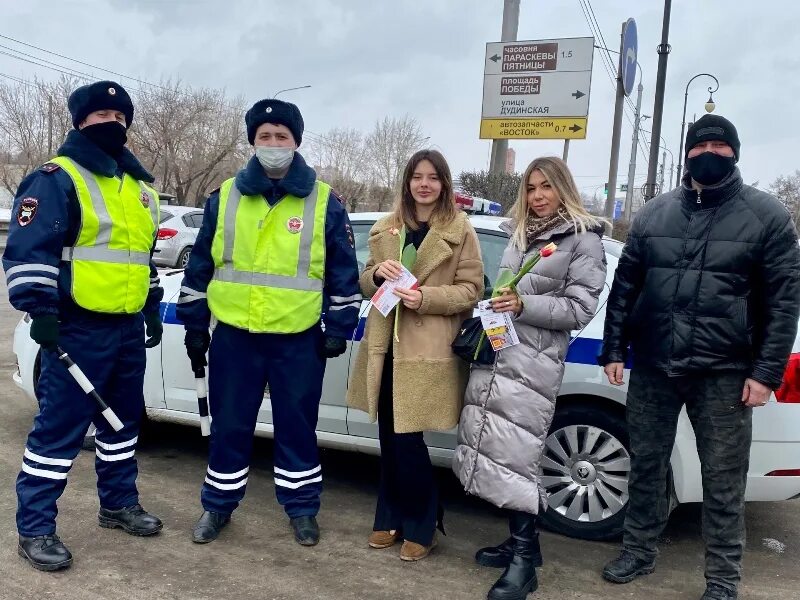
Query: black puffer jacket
(707, 281)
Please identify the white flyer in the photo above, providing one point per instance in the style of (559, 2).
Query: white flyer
(498, 326)
(385, 300)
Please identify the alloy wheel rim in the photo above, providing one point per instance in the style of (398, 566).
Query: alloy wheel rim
(585, 472)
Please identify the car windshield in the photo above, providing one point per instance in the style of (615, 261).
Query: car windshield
(164, 216)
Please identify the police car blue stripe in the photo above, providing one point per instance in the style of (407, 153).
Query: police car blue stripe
(582, 351)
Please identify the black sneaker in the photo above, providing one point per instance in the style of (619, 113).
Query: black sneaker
(208, 527)
(45, 552)
(306, 530)
(132, 519)
(626, 567)
(717, 592)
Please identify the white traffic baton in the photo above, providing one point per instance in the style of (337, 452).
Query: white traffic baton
(202, 401)
(87, 387)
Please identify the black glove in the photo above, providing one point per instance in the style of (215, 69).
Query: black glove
(44, 331)
(197, 342)
(333, 346)
(153, 329)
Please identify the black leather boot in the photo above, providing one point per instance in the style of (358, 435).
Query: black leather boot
(500, 556)
(132, 519)
(45, 552)
(306, 530)
(208, 527)
(626, 567)
(519, 578)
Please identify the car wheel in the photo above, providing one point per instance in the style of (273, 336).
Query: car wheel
(585, 468)
(183, 259)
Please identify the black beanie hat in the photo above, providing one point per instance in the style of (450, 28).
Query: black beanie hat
(277, 112)
(102, 95)
(713, 127)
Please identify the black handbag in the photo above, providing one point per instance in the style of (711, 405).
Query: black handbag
(466, 343)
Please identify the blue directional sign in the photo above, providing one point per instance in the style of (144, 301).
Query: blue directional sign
(630, 53)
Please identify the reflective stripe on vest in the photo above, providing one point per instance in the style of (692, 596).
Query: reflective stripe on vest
(251, 288)
(110, 260)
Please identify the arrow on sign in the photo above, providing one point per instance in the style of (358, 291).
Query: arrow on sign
(495, 58)
(575, 128)
(578, 94)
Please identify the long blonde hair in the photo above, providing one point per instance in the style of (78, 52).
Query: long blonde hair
(405, 212)
(558, 175)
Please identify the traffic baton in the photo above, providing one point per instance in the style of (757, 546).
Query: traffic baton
(87, 387)
(202, 401)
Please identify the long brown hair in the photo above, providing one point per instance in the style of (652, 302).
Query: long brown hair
(558, 175)
(404, 210)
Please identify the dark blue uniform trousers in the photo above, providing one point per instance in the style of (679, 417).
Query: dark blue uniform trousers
(241, 365)
(110, 351)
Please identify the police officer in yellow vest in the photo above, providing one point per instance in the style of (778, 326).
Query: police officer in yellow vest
(274, 263)
(78, 262)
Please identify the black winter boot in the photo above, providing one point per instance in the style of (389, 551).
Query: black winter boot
(45, 552)
(519, 578)
(131, 519)
(208, 526)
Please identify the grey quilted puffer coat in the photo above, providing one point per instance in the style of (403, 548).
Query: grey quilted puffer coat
(509, 406)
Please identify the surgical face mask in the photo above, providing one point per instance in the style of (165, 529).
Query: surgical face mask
(274, 158)
(110, 136)
(709, 168)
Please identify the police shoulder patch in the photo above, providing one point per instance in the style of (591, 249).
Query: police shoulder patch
(28, 207)
(350, 238)
(49, 167)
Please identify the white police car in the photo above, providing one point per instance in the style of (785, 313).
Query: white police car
(586, 463)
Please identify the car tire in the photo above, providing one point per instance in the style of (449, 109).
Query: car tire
(183, 258)
(585, 467)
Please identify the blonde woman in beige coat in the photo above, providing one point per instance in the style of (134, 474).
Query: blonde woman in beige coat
(415, 383)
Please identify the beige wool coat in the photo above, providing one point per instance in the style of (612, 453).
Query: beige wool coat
(428, 379)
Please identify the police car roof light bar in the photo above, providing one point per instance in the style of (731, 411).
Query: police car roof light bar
(87, 387)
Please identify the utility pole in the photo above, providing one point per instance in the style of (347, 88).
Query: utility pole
(661, 174)
(49, 124)
(658, 108)
(615, 138)
(509, 34)
(634, 148)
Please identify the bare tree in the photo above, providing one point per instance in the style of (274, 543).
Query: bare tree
(340, 157)
(787, 189)
(33, 122)
(390, 145)
(192, 139)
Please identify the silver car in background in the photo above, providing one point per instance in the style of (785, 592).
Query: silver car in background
(177, 232)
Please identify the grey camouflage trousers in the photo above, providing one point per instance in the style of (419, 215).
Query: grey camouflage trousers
(723, 429)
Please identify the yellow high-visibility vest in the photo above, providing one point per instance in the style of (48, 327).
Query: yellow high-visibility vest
(110, 260)
(269, 260)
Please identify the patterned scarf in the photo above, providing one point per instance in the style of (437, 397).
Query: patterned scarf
(536, 226)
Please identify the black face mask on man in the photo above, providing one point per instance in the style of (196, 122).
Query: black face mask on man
(110, 136)
(709, 168)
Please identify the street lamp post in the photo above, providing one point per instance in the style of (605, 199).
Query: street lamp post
(709, 106)
(302, 87)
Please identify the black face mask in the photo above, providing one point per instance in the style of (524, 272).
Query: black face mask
(110, 136)
(709, 168)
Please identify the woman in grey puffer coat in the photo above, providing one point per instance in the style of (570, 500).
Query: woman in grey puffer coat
(509, 405)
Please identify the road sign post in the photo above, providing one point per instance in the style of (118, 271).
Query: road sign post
(537, 89)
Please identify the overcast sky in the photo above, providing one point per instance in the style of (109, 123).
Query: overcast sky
(369, 58)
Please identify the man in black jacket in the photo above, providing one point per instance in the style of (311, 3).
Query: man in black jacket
(707, 295)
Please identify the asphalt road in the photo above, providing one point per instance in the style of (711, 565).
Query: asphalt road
(256, 557)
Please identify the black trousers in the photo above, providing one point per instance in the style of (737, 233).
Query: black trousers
(408, 498)
(723, 428)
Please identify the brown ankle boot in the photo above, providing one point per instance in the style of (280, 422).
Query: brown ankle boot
(411, 551)
(383, 539)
